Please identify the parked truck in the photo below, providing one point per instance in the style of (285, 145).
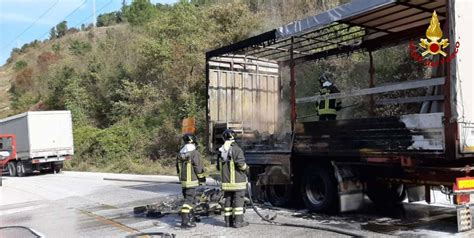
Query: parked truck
(332, 165)
(36, 141)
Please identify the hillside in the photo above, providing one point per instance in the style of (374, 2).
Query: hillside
(127, 83)
(31, 55)
(5, 78)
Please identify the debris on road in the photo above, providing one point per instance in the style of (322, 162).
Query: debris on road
(209, 200)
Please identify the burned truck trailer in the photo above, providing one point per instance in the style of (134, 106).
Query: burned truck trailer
(331, 165)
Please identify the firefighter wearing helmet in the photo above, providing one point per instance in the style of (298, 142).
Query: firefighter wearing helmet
(191, 174)
(327, 108)
(234, 170)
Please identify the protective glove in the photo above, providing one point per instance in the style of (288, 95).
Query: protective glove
(218, 167)
(247, 171)
(202, 181)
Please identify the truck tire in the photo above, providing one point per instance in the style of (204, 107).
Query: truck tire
(278, 195)
(57, 167)
(11, 168)
(57, 170)
(385, 194)
(319, 189)
(20, 168)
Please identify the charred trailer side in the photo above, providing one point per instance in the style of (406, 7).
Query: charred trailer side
(332, 165)
(245, 95)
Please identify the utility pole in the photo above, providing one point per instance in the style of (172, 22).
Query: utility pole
(93, 13)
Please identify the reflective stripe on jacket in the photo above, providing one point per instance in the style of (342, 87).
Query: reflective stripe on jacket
(233, 169)
(327, 107)
(189, 168)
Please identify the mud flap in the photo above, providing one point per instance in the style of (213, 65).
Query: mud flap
(464, 217)
(351, 193)
(416, 193)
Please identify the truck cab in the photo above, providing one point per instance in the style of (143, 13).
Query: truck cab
(7, 152)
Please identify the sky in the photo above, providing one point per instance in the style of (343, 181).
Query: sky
(22, 21)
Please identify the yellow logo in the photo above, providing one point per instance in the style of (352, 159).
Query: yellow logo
(434, 34)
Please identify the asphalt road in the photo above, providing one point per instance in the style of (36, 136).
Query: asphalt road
(77, 204)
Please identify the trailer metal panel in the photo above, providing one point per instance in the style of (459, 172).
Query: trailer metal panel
(463, 71)
(345, 11)
(412, 84)
(405, 135)
(245, 92)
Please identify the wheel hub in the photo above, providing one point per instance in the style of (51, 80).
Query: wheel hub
(316, 191)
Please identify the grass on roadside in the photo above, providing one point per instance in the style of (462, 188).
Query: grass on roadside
(145, 166)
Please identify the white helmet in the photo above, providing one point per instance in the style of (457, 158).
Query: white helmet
(325, 80)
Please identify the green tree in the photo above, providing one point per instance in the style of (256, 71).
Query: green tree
(140, 12)
(61, 29)
(108, 19)
(56, 48)
(80, 47)
(52, 33)
(19, 65)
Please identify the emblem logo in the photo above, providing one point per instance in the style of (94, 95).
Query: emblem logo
(433, 45)
(434, 34)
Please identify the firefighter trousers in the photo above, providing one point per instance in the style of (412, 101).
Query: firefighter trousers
(234, 203)
(188, 194)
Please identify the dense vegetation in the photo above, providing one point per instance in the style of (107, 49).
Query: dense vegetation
(130, 81)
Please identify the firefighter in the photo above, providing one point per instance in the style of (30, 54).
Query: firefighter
(191, 175)
(327, 109)
(234, 171)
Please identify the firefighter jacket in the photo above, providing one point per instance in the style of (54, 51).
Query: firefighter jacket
(328, 107)
(231, 163)
(189, 166)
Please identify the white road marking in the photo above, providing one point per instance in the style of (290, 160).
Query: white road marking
(21, 209)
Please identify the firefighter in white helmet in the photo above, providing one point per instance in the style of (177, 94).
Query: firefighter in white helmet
(191, 174)
(234, 170)
(327, 108)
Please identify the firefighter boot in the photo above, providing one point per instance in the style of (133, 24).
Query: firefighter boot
(229, 221)
(239, 221)
(186, 221)
(193, 218)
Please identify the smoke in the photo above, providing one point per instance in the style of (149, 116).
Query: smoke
(268, 125)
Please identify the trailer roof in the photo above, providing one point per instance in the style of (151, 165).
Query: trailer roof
(358, 25)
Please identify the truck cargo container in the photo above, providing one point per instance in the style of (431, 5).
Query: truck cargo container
(36, 141)
(332, 165)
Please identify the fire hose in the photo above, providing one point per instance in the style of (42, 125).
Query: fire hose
(270, 219)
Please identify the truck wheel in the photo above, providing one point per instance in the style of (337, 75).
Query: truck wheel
(385, 194)
(20, 168)
(278, 195)
(57, 170)
(319, 189)
(11, 168)
(57, 167)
